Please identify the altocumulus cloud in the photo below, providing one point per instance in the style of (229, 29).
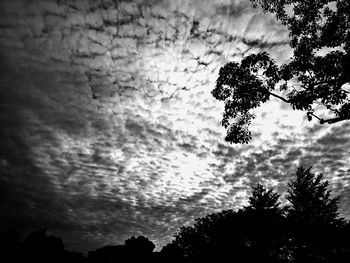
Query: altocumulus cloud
(108, 128)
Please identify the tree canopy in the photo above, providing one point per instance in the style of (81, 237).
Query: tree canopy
(313, 219)
(263, 199)
(316, 77)
(308, 229)
(310, 199)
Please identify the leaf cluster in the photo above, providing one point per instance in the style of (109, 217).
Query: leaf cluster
(316, 75)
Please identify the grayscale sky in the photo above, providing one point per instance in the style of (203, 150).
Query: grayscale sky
(108, 128)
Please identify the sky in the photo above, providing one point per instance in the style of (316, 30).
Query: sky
(108, 129)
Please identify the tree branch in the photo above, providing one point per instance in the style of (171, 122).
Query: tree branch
(278, 97)
(329, 121)
(334, 120)
(312, 114)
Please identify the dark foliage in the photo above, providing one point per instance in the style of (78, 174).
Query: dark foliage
(307, 230)
(313, 219)
(172, 253)
(140, 244)
(37, 247)
(251, 234)
(311, 202)
(135, 249)
(315, 77)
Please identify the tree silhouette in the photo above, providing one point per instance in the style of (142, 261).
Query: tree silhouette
(135, 249)
(138, 249)
(39, 247)
(214, 237)
(311, 201)
(172, 253)
(252, 234)
(313, 218)
(264, 200)
(139, 244)
(307, 230)
(266, 226)
(317, 76)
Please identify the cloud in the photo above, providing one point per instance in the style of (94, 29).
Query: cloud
(109, 128)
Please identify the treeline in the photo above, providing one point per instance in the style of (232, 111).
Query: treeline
(306, 230)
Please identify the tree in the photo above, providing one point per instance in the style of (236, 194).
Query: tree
(311, 201)
(140, 244)
(316, 77)
(137, 249)
(264, 200)
(251, 234)
(308, 230)
(313, 219)
(39, 247)
(266, 220)
(215, 237)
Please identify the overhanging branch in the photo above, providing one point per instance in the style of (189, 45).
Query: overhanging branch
(329, 121)
(279, 97)
(334, 120)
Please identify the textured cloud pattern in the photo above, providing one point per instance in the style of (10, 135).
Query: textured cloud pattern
(108, 128)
